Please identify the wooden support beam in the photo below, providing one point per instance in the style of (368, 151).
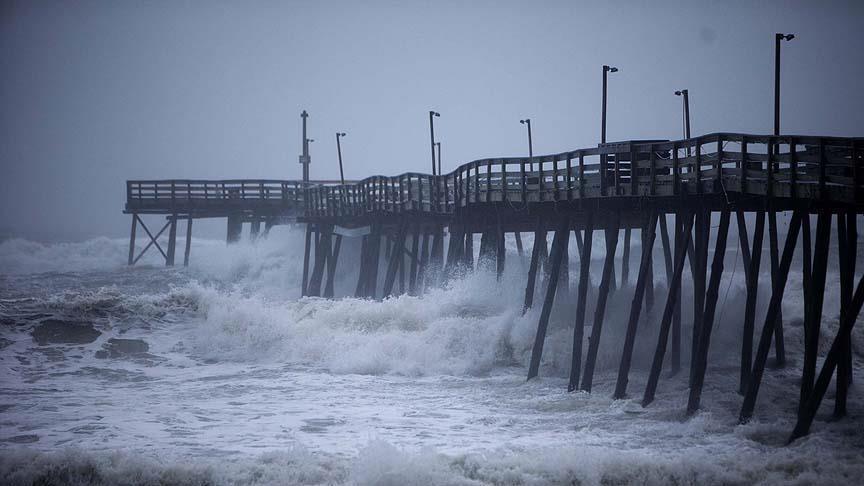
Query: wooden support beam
(306, 256)
(702, 230)
(255, 228)
(669, 309)
(768, 329)
(813, 314)
(636, 306)
(519, 249)
(649, 277)
(172, 241)
(374, 258)
(154, 240)
(562, 235)
(500, 251)
(360, 289)
(625, 259)
(424, 262)
(415, 261)
(132, 238)
(752, 276)
(234, 228)
(322, 251)
(436, 257)
(680, 240)
(847, 241)
(779, 341)
(396, 257)
(835, 354)
(743, 239)
(667, 258)
(455, 247)
(600, 309)
(331, 267)
(188, 248)
(581, 298)
(708, 319)
(539, 242)
(469, 249)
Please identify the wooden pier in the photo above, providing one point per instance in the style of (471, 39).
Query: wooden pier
(692, 185)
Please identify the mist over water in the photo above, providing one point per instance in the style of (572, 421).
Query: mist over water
(220, 374)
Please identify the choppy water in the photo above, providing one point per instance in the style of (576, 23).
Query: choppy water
(219, 374)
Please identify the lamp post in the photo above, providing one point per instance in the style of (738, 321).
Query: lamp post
(305, 159)
(606, 71)
(339, 152)
(777, 38)
(438, 146)
(432, 114)
(686, 95)
(527, 121)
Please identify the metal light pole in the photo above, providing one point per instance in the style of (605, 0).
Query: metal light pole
(777, 38)
(305, 159)
(527, 121)
(606, 70)
(339, 151)
(686, 95)
(438, 145)
(432, 137)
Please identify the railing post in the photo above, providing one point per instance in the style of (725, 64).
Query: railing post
(698, 166)
(743, 165)
(523, 180)
(822, 162)
(719, 164)
(634, 169)
(793, 168)
(503, 181)
(555, 196)
(770, 166)
(569, 176)
(477, 181)
(582, 174)
(676, 170)
(540, 179)
(856, 171)
(488, 180)
(653, 171)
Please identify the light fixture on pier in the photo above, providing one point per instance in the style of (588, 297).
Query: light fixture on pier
(527, 121)
(777, 38)
(432, 136)
(606, 71)
(339, 152)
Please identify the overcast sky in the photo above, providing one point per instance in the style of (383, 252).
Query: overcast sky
(94, 93)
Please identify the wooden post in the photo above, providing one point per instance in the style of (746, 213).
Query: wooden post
(374, 257)
(813, 315)
(636, 307)
(847, 241)
(188, 241)
(669, 310)
(519, 248)
(835, 354)
(770, 320)
(424, 262)
(708, 319)
(599, 311)
(235, 228)
(322, 251)
(331, 267)
(396, 256)
(306, 256)
(779, 342)
(582, 293)
(702, 230)
(539, 241)
(172, 241)
(625, 259)
(415, 260)
(455, 247)
(360, 290)
(562, 235)
(752, 277)
(255, 228)
(132, 238)
(469, 249)
(501, 250)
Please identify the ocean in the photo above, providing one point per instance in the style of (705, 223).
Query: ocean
(221, 374)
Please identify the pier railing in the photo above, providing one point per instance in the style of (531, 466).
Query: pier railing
(819, 168)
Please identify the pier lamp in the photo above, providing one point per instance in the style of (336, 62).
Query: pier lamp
(527, 121)
(438, 146)
(606, 71)
(339, 152)
(432, 114)
(777, 38)
(686, 94)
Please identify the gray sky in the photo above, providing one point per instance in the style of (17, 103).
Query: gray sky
(94, 93)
